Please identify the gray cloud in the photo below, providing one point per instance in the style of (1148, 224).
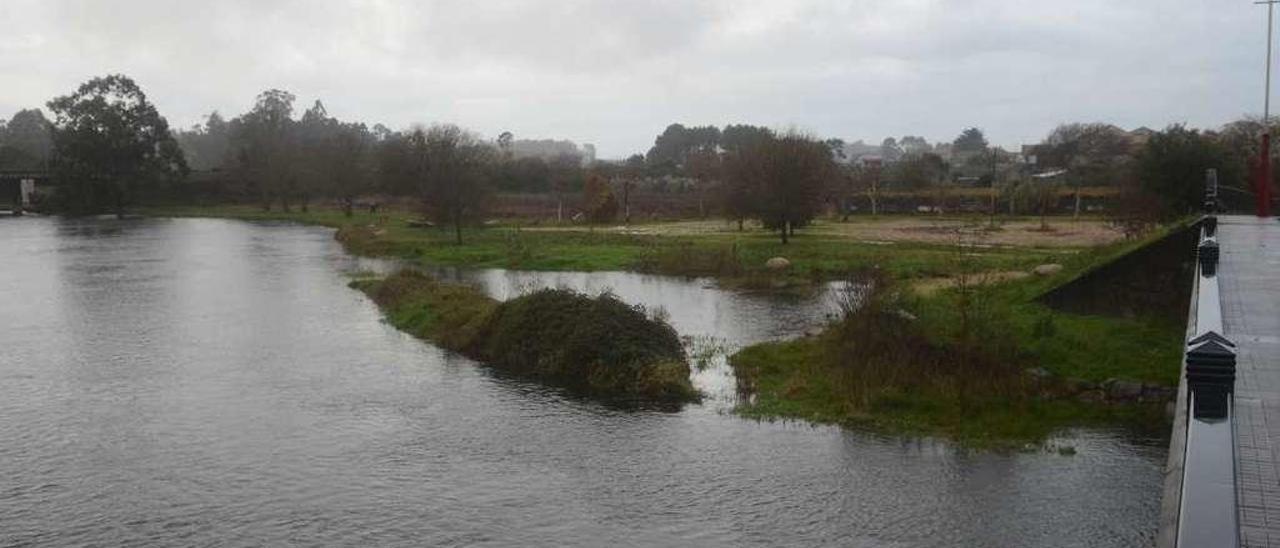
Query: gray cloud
(616, 72)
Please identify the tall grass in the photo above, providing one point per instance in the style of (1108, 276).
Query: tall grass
(692, 259)
(879, 351)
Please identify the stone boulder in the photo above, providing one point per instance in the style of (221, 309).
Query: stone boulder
(1076, 386)
(1047, 269)
(1122, 390)
(1157, 393)
(777, 263)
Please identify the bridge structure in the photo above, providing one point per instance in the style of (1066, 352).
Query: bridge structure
(18, 187)
(1222, 480)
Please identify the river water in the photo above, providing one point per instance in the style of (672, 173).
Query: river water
(216, 383)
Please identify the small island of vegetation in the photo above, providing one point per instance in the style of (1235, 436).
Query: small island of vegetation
(597, 345)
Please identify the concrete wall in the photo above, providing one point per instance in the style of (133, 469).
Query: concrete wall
(1154, 281)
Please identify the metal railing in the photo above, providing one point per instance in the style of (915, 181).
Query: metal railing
(1207, 514)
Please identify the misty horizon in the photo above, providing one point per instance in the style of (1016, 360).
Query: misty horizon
(615, 76)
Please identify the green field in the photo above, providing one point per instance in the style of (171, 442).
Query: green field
(820, 253)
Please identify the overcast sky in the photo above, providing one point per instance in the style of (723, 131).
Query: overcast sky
(615, 73)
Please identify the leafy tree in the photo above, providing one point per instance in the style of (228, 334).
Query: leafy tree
(26, 141)
(738, 195)
(916, 171)
(672, 149)
(971, 140)
(836, 146)
(264, 142)
(890, 151)
(1172, 168)
(206, 145)
(911, 144)
(109, 144)
(738, 137)
(453, 187)
(505, 142)
(527, 174)
(316, 135)
(393, 164)
(347, 153)
(382, 133)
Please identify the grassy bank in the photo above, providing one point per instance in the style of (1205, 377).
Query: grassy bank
(959, 362)
(792, 380)
(737, 258)
(598, 345)
(826, 379)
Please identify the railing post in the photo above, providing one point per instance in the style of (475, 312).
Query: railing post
(1207, 253)
(1210, 191)
(1211, 374)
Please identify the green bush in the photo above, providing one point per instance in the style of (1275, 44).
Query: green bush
(599, 343)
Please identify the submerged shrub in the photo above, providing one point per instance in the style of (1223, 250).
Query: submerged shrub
(600, 343)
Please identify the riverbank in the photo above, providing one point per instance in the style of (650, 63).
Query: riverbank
(1050, 371)
(795, 379)
(986, 364)
(596, 345)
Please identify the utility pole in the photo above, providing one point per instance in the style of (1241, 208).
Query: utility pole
(994, 158)
(1262, 184)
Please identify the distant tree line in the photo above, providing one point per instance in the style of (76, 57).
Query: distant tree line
(109, 148)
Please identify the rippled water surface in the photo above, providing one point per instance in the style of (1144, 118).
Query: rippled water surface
(208, 382)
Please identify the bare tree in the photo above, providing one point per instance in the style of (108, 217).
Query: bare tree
(783, 179)
(453, 184)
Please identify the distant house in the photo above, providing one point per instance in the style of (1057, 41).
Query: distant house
(1050, 175)
(870, 161)
(1034, 154)
(18, 189)
(854, 152)
(1140, 136)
